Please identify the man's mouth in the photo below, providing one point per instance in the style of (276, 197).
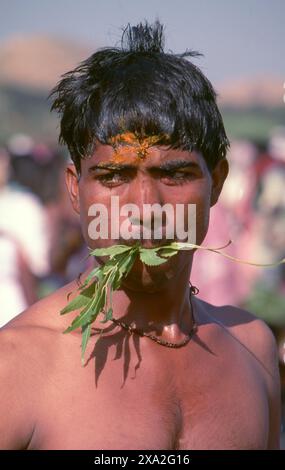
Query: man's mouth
(151, 242)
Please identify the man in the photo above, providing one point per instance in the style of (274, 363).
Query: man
(143, 125)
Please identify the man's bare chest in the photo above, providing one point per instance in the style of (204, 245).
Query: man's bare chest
(200, 400)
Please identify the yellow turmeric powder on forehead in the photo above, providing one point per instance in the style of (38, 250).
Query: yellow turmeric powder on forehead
(126, 143)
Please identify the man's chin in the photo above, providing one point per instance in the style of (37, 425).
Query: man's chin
(152, 278)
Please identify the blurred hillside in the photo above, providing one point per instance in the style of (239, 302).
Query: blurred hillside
(31, 65)
(252, 107)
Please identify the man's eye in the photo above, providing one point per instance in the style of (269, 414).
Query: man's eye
(112, 178)
(178, 176)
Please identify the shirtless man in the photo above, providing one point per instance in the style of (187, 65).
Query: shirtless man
(221, 389)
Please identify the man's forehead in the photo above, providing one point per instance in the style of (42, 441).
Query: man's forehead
(129, 148)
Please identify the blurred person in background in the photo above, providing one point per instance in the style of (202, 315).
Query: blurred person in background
(24, 244)
(267, 234)
(231, 219)
(17, 286)
(37, 169)
(267, 296)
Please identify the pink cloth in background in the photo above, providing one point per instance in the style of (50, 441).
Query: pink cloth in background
(220, 280)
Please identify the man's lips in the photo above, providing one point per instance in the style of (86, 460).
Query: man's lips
(145, 243)
(152, 242)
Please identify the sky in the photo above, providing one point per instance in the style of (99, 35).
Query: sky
(244, 38)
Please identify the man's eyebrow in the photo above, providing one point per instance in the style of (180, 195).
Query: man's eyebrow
(166, 166)
(174, 164)
(112, 166)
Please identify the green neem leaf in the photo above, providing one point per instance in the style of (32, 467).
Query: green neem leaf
(86, 331)
(167, 252)
(91, 310)
(80, 301)
(108, 277)
(109, 316)
(150, 258)
(111, 250)
(95, 273)
(127, 262)
(181, 246)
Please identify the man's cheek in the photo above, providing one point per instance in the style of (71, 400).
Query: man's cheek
(85, 202)
(96, 224)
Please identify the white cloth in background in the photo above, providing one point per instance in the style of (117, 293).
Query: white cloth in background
(12, 298)
(23, 217)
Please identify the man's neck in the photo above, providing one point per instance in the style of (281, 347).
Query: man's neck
(165, 312)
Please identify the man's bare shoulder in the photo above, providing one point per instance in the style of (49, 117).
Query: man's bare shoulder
(249, 330)
(34, 336)
(30, 346)
(256, 338)
(45, 313)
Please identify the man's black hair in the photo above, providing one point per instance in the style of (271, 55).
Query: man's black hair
(139, 88)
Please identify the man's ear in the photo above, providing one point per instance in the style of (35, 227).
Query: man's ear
(72, 179)
(219, 174)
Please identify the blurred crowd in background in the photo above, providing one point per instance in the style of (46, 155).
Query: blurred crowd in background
(41, 246)
(250, 213)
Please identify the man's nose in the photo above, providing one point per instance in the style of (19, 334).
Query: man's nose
(144, 192)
